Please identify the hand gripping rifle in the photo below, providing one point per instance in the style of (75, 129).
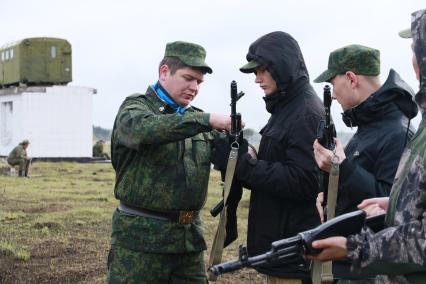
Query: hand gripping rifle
(325, 135)
(236, 134)
(294, 248)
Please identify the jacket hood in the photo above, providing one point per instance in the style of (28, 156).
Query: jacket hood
(280, 53)
(395, 94)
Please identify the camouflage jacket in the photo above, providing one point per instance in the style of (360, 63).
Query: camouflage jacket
(162, 163)
(18, 153)
(399, 251)
(98, 149)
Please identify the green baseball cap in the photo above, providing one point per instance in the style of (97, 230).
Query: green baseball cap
(361, 60)
(405, 33)
(250, 67)
(191, 54)
(25, 142)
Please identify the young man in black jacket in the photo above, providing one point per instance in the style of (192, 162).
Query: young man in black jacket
(397, 253)
(382, 113)
(283, 179)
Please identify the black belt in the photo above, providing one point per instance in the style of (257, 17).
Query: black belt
(181, 217)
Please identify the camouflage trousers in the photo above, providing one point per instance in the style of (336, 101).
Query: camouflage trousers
(23, 164)
(128, 266)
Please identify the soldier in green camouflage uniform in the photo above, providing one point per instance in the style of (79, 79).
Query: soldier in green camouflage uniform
(399, 251)
(98, 150)
(19, 157)
(160, 151)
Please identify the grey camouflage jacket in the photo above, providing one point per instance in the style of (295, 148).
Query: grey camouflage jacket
(399, 251)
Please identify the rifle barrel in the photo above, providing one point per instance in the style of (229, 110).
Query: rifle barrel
(285, 255)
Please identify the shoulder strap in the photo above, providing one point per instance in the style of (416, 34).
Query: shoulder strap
(219, 238)
(323, 272)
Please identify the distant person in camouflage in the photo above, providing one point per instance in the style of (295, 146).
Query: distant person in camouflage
(98, 150)
(399, 251)
(19, 157)
(160, 150)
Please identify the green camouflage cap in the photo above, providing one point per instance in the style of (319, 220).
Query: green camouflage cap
(405, 33)
(191, 54)
(25, 142)
(359, 59)
(250, 67)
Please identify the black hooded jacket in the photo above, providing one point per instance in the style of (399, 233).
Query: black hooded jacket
(284, 178)
(373, 153)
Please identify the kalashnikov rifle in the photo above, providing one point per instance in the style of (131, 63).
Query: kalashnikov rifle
(294, 248)
(325, 135)
(227, 228)
(236, 134)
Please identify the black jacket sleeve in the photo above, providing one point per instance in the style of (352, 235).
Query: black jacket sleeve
(293, 175)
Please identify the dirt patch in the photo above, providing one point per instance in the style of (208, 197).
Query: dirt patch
(49, 225)
(56, 262)
(101, 199)
(46, 209)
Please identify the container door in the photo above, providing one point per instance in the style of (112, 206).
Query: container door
(34, 69)
(66, 63)
(6, 127)
(53, 61)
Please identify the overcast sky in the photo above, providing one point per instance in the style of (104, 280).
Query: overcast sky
(117, 45)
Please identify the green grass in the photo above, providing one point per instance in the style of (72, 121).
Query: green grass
(55, 227)
(13, 250)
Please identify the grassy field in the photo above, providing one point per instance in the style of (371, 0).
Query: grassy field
(55, 227)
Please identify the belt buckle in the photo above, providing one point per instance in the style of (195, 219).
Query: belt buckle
(186, 217)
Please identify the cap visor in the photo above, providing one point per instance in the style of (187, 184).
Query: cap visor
(405, 33)
(206, 68)
(202, 67)
(325, 76)
(249, 67)
(198, 64)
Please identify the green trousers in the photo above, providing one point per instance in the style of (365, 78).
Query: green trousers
(24, 165)
(128, 266)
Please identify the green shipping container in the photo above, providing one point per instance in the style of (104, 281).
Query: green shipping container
(36, 61)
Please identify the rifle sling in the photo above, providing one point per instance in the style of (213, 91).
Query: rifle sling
(219, 238)
(333, 183)
(324, 273)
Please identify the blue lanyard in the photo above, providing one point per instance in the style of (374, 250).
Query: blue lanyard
(162, 93)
